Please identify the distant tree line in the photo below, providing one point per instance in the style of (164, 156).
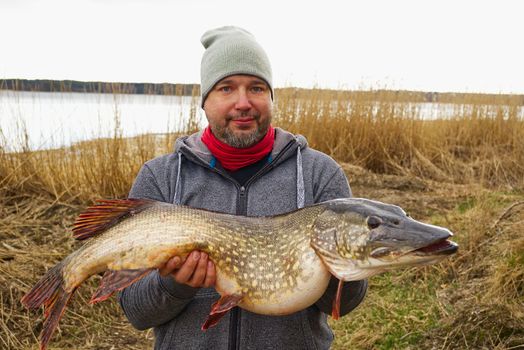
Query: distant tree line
(194, 90)
(99, 87)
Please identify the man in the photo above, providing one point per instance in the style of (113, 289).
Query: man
(240, 165)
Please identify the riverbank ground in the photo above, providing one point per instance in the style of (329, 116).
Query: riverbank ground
(472, 300)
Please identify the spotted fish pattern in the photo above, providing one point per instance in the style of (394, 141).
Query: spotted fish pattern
(268, 265)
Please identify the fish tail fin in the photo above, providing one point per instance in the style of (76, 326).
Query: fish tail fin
(50, 292)
(45, 288)
(54, 309)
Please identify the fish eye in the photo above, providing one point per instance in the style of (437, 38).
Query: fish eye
(373, 222)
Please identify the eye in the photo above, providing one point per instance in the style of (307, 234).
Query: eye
(223, 87)
(373, 222)
(257, 89)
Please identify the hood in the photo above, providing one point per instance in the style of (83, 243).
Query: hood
(285, 146)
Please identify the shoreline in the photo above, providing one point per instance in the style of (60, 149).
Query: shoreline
(49, 85)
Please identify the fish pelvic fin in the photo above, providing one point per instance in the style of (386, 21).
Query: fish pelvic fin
(113, 281)
(50, 292)
(105, 214)
(220, 308)
(335, 312)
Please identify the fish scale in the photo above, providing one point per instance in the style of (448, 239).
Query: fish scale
(268, 265)
(237, 245)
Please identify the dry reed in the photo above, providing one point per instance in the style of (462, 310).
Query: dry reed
(465, 172)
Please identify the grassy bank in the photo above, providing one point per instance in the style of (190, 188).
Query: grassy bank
(474, 300)
(465, 172)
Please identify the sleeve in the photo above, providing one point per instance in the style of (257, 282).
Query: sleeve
(353, 292)
(154, 300)
(146, 186)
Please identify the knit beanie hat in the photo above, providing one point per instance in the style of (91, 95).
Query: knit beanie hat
(229, 51)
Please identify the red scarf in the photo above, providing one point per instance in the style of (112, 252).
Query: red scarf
(233, 158)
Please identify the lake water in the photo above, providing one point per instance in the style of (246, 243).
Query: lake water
(54, 119)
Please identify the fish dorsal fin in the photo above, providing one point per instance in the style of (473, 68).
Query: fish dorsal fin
(105, 214)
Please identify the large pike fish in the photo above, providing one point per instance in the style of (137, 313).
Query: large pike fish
(268, 265)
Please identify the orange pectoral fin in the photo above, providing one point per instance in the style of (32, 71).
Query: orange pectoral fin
(335, 313)
(220, 308)
(113, 281)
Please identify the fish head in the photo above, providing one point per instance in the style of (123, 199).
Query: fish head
(358, 238)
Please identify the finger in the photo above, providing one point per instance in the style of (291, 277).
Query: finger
(170, 266)
(199, 275)
(210, 275)
(184, 273)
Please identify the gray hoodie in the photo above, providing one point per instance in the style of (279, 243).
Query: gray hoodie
(295, 176)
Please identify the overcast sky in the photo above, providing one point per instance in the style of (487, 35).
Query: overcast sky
(444, 45)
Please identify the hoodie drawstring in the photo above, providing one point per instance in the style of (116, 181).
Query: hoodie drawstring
(300, 181)
(176, 197)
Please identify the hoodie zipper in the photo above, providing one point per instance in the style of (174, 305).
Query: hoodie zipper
(234, 324)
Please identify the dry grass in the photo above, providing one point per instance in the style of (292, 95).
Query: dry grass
(481, 142)
(34, 236)
(474, 300)
(465, 172)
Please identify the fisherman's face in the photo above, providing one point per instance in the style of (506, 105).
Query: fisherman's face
(238, 110)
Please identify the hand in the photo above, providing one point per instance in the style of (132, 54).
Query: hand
(196, 271)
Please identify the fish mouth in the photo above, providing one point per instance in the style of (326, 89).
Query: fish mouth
(442, 247)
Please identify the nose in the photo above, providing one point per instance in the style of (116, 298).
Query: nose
(242, 102)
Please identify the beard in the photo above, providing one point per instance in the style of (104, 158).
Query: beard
(226, 135)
